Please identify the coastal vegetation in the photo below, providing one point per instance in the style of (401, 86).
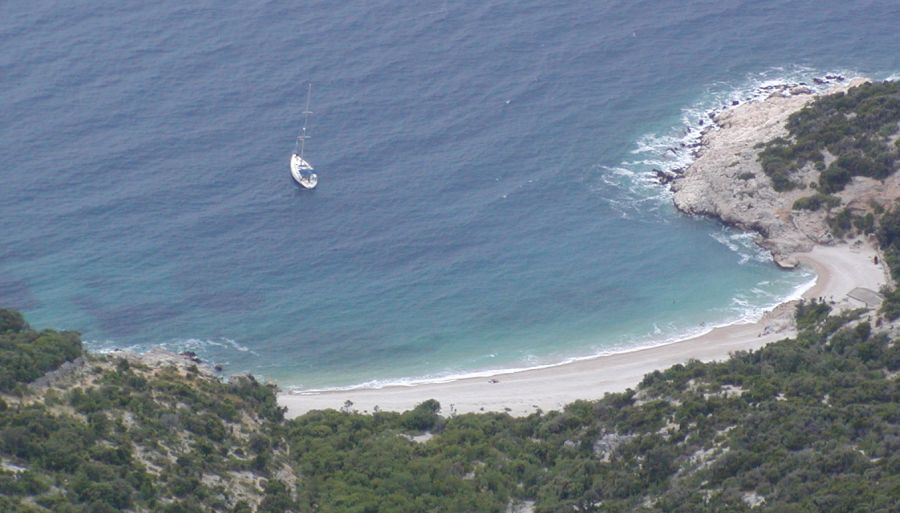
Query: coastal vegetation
(841, 135)
(801, 425)
(889, 240)
(110, 434)
(806, 424)
(845, 222)
(817, 201)
(26, 355)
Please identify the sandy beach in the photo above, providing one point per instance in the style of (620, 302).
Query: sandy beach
(840, 269)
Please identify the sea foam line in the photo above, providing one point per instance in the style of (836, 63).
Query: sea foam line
(751, 315)
(197, 345)
(673, 150)
(742, 243)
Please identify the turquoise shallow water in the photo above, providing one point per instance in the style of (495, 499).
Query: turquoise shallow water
(483, 202)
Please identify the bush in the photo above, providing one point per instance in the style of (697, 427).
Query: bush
(890, 308)
(865, 224)
(834, 179)
(25, 355)
(816, 201)
(11, 321)
(889, 229)
(841, 223)
(423, 417)
(810, 314)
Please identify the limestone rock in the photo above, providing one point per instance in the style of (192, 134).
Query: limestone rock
(727, 182)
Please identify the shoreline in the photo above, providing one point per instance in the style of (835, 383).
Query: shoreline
(839, 270)
(798, 293)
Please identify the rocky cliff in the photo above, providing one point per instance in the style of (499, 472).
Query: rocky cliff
(726, 179)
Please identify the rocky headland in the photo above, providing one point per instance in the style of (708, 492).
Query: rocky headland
(726, 180)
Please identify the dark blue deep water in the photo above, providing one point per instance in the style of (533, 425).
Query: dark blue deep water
(483, 201)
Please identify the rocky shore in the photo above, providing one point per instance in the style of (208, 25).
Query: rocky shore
(726, 181)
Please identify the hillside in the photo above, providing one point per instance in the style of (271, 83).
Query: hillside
(113, 433)
(803, 425)
(808, 424)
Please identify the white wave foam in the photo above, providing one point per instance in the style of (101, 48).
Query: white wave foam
(742, 243)
(111, 346)
(200, 346)
(487, 373)
(674, 149)
(747, 313)
(751, 309)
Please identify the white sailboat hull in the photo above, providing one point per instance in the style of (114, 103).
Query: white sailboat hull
(298, 165)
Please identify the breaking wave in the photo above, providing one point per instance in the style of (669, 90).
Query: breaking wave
(670, 151)
(216, 349)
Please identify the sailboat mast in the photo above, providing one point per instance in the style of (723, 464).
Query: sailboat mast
(306, 113)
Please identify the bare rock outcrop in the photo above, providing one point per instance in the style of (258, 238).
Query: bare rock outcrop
(727, 182)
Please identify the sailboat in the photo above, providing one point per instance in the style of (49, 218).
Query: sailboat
(298, 164)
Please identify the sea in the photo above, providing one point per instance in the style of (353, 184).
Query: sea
(485, 201)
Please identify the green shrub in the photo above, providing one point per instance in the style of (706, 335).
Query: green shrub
(810, 314)
(11, 321)
(889, 229)
(841, 223)
(423, 417)
(25, 355)
(890, 307)
(834, 179)
(816, 201)
(865, 224)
